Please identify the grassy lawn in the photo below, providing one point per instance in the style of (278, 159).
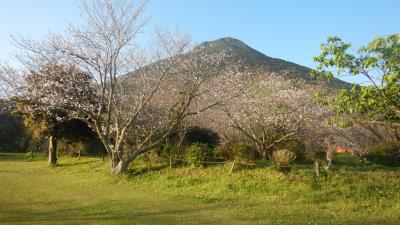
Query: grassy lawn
(82, 192)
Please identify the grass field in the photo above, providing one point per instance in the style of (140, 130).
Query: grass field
(82, 192)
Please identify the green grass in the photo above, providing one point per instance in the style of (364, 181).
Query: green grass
(83, 192)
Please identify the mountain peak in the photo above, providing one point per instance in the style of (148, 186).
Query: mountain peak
(230, 41)
(226, 42)
(257, 61)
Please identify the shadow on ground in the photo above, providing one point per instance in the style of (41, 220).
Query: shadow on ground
(12, 157)
(104, 211)
(76, 163)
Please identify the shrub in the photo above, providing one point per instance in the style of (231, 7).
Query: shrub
(198, 153)
(239, 151)
(295, 146)
(170, 152)
(224, 151)
(242, 152)
(283, 159)
(385, 153)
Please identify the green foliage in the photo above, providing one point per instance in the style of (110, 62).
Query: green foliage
(238, 151)
(283, 159)
(172, 153)
(243, 152)
(385, 153)
(170, 150)
(379, 63)
(149, 159)
(197, 153)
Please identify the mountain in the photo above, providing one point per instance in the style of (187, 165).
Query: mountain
(250, 59)
(256, 60)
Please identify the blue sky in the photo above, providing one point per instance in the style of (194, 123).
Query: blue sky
(290, 30)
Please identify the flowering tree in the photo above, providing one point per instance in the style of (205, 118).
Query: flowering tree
(273, 110)
(51, 96)
(11, 81)
(115, 87)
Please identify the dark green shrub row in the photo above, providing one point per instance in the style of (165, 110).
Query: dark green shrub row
(385, 153)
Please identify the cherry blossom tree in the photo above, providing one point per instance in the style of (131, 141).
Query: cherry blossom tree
(120, 91)
(11, 81)
(50, 97)
(273, 110)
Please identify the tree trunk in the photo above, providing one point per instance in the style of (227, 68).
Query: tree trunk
(263, 152)
(317, 168)
(264, 155)
(120, 168)
(52, 151)
(328, 164)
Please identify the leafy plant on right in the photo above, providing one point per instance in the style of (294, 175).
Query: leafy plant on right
(378, 64)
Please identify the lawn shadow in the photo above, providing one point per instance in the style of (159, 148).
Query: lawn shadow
(104, 212)
(76, 163)
(146, 170)
(13, 156)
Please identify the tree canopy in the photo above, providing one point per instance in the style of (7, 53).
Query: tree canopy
(378, 63)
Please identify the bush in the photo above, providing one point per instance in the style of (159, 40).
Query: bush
(239, 151)
(283, 159)
(243, 152)
(171, 153)
(198, 153)
(169, 150)
(385, 153)
(295, 146)
(224, 151)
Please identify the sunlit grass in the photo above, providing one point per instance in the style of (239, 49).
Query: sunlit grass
(83, 192)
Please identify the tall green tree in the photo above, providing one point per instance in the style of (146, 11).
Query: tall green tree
(378, 62)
